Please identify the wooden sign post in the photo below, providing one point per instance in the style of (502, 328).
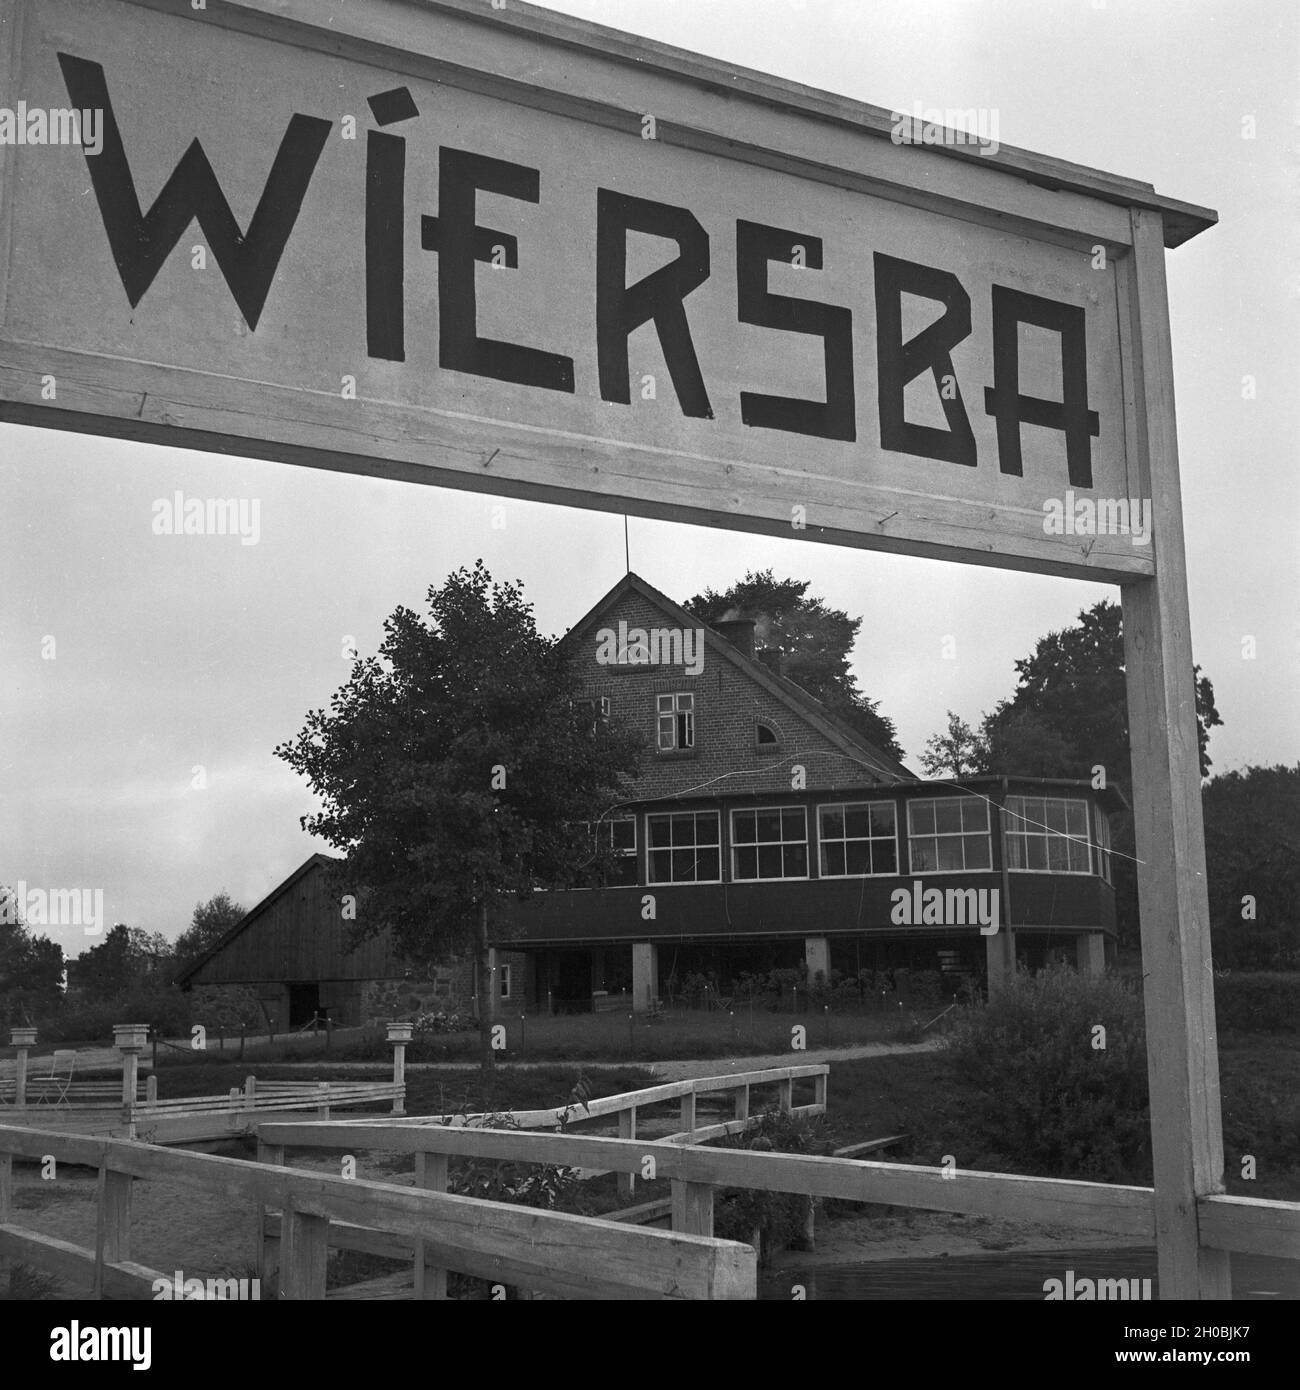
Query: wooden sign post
(507, 251)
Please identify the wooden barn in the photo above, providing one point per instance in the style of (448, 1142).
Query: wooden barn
(292, 951)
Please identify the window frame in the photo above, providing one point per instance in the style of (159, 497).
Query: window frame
(781, 844)
(675, 712)
(845, 839)
(1046, 834)
(506, 973)
(650, 880)
(937, 834)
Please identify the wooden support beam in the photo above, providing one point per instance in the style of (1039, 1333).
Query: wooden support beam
(266, 1249)
(626, 1181)
(785, 1094)
(304, 1253)
(1178, 983)
(741, 1111)
(687, 1120)
(430, 1279)
(693, 1208)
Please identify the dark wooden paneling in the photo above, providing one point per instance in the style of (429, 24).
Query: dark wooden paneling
(300, 936)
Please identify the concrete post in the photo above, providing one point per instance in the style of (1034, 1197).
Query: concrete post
(130, 1039)
(817, 958)
(23, 1039)
(1000, 955)
(1090, 953)
(645, 976)
(399, 1034)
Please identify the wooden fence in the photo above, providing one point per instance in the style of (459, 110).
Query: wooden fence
(552, 1252)
(1241, 1224)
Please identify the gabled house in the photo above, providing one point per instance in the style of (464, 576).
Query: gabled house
(764, 831)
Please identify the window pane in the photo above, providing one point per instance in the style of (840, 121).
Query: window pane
(683, 865)
(667, 735)
(769, 826)
(947, 815)
(1076, 817)
(921, 814)
(858, 857)
(1036, 846)
(977, 851)
(974, 814)
(660, 865)
(624, 834)
(660, 833)
(665, 705)
(708, 864)
(742, 828)
(1015, 852)
(686, 702)
(1058, 858)
(882, 818)
(769, 861)
(746, 863)
(922, 854)
(857, 820)
(832, 859)
(948, 850)
(793, 825)
(794, 861)
(832, 822)
(884, 857)
(1055, 815)
(706, 829)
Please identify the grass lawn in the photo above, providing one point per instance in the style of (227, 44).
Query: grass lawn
(613, 1037)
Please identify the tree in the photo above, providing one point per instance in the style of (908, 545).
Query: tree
(814, 642)
(127, 957)
(1252, 857)
(1068, 718)
(954, 753)
(456, 768)
(210, 922)
(31, 967)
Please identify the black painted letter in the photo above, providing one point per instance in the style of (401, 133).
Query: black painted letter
(897, 362)
(1003, 400)
(459, 242)
(142, 241)
(621, 308)
(756, 245)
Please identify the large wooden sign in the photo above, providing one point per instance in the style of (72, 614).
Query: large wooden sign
(437, 242)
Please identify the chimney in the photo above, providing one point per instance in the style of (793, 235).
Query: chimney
(771, 658)
(739, 632)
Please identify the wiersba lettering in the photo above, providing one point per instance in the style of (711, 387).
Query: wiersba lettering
(142, 241)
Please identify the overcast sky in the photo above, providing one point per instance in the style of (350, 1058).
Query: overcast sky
(176, 655)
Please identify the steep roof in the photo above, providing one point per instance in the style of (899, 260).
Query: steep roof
(793, 696)
(247, 920)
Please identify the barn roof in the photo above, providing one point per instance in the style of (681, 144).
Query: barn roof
(322, 860)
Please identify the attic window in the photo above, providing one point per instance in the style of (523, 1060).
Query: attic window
(766, 734)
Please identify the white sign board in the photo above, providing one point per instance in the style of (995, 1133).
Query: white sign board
(479, 258)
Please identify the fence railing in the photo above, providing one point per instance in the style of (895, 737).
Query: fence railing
(553, 1252)
(1241, 1224)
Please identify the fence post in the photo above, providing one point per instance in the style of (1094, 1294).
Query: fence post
(741, 1111)
(399, 1034)
(692, 1208)
(431, 1174)
(688, 1113)
(112, 1223)
(785, 1094)
(323, 1105)
(151, 1090)
(22, 1039)
(250, 1093)
(819, 1089)
(266, 1248)
(130, 1039)
(6, 1186)
(627, 1130)
(304, 1251)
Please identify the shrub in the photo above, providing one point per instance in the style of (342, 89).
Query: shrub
(1258, 1001)
(78, 1019)
(1040, 1096)
(777, 1217)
